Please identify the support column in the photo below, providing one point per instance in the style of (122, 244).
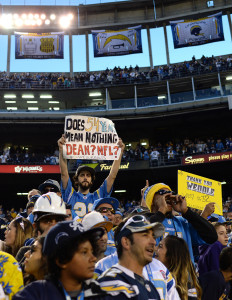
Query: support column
(8, 54)
(194, 92)
(166, 44)
(149, 47)
(169, 96)
(107, 99)
(136, 100)
(87, 51)
(230, 23)
(71, 54)
(220, 84)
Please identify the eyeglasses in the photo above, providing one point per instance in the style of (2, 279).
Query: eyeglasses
(134, 219)
(163, 192)
(106, 209)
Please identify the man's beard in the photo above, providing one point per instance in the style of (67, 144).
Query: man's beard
(83, 185)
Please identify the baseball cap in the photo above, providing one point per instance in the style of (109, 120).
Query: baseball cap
(138, 223)
(118, 213)
(85, 168)
(151, 190)
(32, 201)
(95, 219)
(66, 231)
(110, 200)
(50, 182)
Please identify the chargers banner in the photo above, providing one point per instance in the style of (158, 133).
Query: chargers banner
(200, 191)
(121, 42)
(197, 32)
(39, 45)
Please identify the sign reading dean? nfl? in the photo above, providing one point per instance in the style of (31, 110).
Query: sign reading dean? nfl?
(200, 191)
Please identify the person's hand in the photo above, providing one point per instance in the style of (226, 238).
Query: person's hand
(179, 203)
(208, 210)
(121, 145)
(143, 202)
(61, 142)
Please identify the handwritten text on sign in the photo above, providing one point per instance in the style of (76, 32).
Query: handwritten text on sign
(90, 138)
(200, 191)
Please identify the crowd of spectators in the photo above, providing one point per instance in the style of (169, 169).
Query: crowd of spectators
(117, 75)
(158, 154)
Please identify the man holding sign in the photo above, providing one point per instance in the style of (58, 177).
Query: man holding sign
(90, 138)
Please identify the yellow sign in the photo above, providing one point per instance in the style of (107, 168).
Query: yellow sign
(200, 191)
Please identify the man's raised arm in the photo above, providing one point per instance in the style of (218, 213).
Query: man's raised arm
(115, 167)
(63, 162)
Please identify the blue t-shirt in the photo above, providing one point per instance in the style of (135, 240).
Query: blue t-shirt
(82, 204)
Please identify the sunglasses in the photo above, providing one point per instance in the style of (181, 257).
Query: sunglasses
(134, 219)
(106, 209)
(50, 189)
(163, 192)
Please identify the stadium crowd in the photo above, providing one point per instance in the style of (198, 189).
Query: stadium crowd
(70, 243)
(158, 154)
(117, 75)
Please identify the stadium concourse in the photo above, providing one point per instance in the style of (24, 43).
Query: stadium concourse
(154, 222)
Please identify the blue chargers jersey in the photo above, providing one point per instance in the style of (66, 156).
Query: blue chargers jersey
(182, 228)
(82, 204)
(122, 283)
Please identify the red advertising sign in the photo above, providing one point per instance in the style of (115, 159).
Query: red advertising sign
(29, 169)
(206, 158)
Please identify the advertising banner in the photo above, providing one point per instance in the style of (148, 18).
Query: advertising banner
(206, 158)
(39, 45)
(187, 33)
(121, 42)
(28, 169)
(200, 191)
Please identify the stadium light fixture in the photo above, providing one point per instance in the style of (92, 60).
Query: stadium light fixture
(30, 102)
(144, 144)
(19, 22)
(12, 108)
(22, 194)
(56, 108)
(161, 97)
(9, 96)
(10, 101)
(47, 22)
(223, 182)
(43, 16)
(36, 16)
(70, 16)
(39, 22)
(16, 16)
(64, 22)
(120, 191)
(229, 78)
(53, 101)
(24, 16)
(28, 96)
(52, 17)
(30, 16)
(45, 96)
(95, 94)
(33, 108)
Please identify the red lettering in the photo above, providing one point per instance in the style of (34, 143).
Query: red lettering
(105, 149)
(87, 150)
(100, 150)
(110, 153)
(74, 149)
(68, 149)
(80, 149)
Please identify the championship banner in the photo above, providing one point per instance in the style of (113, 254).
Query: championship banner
(197, 32)
(90, 138)
(121, 42)
(200, 191)
(39, 45)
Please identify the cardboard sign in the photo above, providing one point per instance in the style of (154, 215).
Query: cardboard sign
(200, 191)
(90, 138)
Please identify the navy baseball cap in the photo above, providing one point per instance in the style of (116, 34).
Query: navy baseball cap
(49, 183)
(139, 223)
(64, 232)
(85, 168)
(110, 200)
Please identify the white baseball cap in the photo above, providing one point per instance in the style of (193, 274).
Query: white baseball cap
(95, 219)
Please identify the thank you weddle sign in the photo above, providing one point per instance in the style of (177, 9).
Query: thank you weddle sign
(90, 138)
